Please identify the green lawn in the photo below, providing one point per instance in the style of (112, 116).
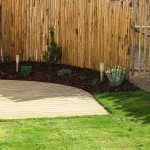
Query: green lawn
(126, 128)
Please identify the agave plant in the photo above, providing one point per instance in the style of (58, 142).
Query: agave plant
(116, 75)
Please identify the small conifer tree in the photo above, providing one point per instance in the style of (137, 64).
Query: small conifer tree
(53, 54)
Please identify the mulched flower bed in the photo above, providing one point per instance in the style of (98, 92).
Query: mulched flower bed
(42, 73)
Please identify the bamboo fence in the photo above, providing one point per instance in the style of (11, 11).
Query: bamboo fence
(90, 31)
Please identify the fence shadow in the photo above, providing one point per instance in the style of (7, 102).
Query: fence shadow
(135, 104)
(23, 91)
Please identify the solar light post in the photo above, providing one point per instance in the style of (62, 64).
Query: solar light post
(17, 63)
(101, 72)
(2, 55)
(36, 55)
(41, 56)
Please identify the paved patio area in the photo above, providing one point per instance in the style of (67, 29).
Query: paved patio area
(24, 99)
(143, 83)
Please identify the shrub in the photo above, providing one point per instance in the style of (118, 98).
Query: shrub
(94, 71)
(64, 72)
(83, 77)
(53, 54)
(116, 75)
(95, 81)
(26, 70)
(6, 58)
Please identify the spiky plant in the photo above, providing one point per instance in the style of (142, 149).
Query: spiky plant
(116, 75)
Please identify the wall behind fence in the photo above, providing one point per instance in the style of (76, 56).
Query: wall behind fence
(90, 31)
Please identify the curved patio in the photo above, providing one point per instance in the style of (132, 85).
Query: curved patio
(24, 99)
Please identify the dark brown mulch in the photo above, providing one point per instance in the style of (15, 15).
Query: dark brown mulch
(42, 73)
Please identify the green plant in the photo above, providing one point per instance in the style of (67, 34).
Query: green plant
(83, 77)
(26, 70)
(64, 72)
(6, 58)
(116, 75)
(95, 81)
(53, 54)
(94, 71)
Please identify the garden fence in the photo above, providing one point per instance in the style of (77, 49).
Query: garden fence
(140, 56)
(90, 31)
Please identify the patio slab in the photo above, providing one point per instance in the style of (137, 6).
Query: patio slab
(143, 83)
(24, 99)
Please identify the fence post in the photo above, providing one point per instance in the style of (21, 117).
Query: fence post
(133, 50)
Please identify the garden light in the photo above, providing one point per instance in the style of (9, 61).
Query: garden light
(17, 62)
(101, 72)
(41, 56)
(36, 55)
(2, 55)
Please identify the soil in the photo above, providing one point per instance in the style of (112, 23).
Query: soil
(42, 73)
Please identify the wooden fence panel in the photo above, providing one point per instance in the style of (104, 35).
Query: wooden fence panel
(0, 23)
(141, 38)
(90, 31)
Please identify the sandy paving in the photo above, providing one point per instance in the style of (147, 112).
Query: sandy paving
(24, 99)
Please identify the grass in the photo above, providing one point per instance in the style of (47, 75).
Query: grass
(126, 128)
